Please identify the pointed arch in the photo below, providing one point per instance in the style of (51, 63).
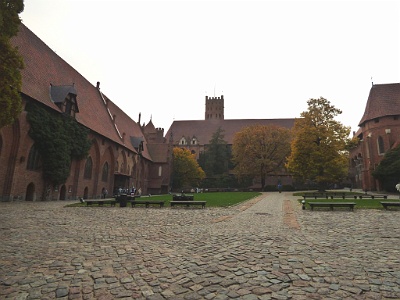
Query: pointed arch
(30, 192)
(88, 168)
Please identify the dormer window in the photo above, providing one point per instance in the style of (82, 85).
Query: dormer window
(64, 96)
(194, 141)
(183, 141)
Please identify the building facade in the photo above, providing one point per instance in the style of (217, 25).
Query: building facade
(120, 156)
(379, 131)
(195, 135)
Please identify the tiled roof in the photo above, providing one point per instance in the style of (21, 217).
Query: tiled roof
(383, 100)
(203, 130)
(44, 67)
(159, 152)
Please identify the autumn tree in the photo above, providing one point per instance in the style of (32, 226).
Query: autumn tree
(11, 62)
(319, 145)
(186, 170)
(259, 151)
(388, 170)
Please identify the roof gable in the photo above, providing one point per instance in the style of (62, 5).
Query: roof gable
(383, 100)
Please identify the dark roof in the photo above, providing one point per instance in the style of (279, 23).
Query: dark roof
(383, 100)
(58, 93)
(43, 68)
(203, 130)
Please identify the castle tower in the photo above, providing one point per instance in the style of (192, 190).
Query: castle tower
(214, 108)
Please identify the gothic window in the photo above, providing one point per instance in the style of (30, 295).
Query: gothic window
(381, 146)
(34, 159)
(88, 168)
(104, 175)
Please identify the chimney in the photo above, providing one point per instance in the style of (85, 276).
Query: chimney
(98, 85)
(140, 116)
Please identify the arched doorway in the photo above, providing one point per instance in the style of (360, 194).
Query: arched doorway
(63, 192)
(30, 192)
(85, 193)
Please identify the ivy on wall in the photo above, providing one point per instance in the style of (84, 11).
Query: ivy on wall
(59, 139)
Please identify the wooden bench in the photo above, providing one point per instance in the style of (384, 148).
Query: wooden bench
(99, 202)
(188, 203)
(373, 196)
(331, 205)
(386, 204)
(146, 202)
(182, 197)
(314, 195)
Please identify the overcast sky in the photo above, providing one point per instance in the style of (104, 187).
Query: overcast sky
(161, 58)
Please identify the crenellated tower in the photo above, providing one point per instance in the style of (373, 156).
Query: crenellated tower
(214, 108)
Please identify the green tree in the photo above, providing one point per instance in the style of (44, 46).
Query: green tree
(186, 170)
(11, 62)
(388, 170)
(259, 151)
(215, 159)
(319, 145)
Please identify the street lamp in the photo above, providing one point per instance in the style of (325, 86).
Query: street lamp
(303, 204)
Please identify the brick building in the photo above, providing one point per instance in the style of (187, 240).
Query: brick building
(379, 132)
(196, 134)
(123, 154)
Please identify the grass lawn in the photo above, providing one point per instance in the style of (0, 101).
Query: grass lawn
(223, 199)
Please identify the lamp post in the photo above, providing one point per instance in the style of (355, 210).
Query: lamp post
(303, 204)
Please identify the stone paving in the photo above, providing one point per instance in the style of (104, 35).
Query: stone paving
(267, 248)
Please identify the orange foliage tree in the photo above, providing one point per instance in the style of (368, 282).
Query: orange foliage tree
(259, 151)
(186, 171)
(319, 145)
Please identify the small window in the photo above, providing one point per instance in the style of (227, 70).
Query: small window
(34, 159)
(182, 141)
(88, 168)
(381, 145)
(159, 170)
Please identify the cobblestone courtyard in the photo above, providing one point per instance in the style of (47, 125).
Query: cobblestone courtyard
(267, 248)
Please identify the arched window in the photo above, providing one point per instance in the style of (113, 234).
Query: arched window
(381, 145)
(34, 159)
(104, 175)
(88, 168)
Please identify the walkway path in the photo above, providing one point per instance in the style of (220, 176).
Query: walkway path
(267, 248)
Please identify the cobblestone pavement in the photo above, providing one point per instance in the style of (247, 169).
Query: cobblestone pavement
(267, 248)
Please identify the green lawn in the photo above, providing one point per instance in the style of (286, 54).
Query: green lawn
(217, 199)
